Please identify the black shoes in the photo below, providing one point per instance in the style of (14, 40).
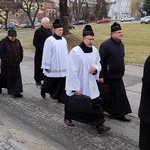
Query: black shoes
(123, 118)
(102, 128)
(69, 122)
(38, 83)
(18, 95)
(43, 94)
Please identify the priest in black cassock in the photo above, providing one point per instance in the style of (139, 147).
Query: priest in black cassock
(82, 73)
(112, 60)
(144, 109)
(40, 35)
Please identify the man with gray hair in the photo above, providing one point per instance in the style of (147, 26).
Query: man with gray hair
(40, 35)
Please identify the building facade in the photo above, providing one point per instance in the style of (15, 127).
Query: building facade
(120, 9)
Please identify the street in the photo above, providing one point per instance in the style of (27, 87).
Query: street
(38, 124)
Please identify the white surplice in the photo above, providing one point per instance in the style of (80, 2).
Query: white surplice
(55, 57)
(78, 74)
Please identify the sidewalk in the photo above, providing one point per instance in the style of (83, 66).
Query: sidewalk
(134, 74)
(7, 143)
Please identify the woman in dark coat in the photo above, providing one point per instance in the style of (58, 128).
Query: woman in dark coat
(40, 35)
(11, 54)
(144, 109)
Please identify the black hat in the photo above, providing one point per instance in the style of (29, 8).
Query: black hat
(88, 31)
(57, 24)
(12, 32)
(115, 27)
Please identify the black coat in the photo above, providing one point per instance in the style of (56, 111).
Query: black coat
(144, 109)
(112, 59)
(40, 35)
(11, 52)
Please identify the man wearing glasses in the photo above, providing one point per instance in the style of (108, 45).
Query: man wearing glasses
(11, 55)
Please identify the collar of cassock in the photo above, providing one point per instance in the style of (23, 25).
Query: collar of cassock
(57, 37)
(85, 48)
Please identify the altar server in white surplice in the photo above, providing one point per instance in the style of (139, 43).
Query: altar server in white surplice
(83, 71)
(54, 64)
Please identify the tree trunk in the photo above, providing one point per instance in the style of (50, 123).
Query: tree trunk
(64, 15)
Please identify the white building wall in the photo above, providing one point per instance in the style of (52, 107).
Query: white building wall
(120, 9)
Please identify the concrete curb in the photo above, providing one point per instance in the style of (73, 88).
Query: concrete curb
(16, 145)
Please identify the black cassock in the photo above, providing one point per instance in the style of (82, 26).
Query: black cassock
(144, 108)
(116, 103)
(11, 79)
(94, 116)
(55, 87)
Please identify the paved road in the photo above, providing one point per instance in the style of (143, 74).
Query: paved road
(44, 118)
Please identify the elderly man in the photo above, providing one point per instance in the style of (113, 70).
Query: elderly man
(40, 35)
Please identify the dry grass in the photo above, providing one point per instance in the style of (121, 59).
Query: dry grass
(26, 40)
(136, 40)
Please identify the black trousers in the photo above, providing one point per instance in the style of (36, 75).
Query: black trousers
(144, 137)
(55, 87)
(38, 72)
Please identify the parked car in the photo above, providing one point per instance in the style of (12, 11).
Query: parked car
(80, 22)
(8, 27)
(104, 20)
(26, 26)
(71, 27)
(13, 24)
(127, 19)
(37, 24)
(145, 19)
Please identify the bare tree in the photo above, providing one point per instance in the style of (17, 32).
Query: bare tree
(7, 7)
(75, 8)
(81, 9)
(64, 15)
(31, 8)
(136, 8)
(101, 9)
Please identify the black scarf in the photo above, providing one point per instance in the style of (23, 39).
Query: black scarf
(57, 37)
(85, 48)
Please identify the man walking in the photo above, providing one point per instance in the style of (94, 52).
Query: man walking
(83, 70)
(54, 64)
(40, 35)
(112, 60)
